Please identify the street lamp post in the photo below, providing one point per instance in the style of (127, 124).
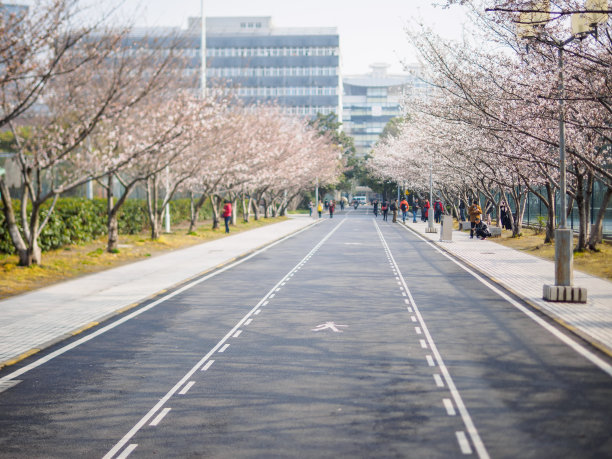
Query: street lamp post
(203, 52)
(430, 226)
(582, 25)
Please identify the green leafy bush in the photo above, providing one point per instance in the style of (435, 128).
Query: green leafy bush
(76, 220)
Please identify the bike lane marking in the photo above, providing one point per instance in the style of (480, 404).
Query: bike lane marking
(465, 416)
(219, 347)
(577, 347)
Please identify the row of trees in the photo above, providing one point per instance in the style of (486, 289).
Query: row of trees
(490, 124)
(82, 106)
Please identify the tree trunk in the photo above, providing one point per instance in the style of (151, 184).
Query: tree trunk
(152, 207)
(266, 209)
(246, 207)
(582, 211)
(215, 209)
(195, 212)
(596, 236)
(255, 203)
(111, 215)
(13, 229)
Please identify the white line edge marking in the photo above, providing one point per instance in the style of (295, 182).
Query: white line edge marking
(438, 380)
(465, 415)
(224, 348)
(423, 344)
(257, 312)
(188, 386)
(126, 438)
(160, 416)
(430, 361)
(450, 409)
(604, 366)
(237, 334)
(127, 451)
(248, 322)
(414, 319)
(418, 330)
(464, 444)
(208, 365)
(118, 322)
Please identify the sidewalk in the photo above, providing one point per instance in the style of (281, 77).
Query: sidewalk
(39, 319)
(525, 275)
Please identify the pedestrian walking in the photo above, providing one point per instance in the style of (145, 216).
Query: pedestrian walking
(332, 207)
(375, 205)
(320, 208)
(227, 214)
(504, 212)
(487, 212)
(475, 213)
(438, 210)
(342, 204)
(394, 210)
(404, 209)
(385, 210)
(425, 211)
(462, 210)
(415, 207)
(310, 206)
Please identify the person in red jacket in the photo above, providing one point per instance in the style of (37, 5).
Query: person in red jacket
(227, 214)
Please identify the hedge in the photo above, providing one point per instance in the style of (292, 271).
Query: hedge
(77, 220)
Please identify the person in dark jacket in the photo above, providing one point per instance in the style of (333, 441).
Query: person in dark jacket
(385, 209)
(438, 210)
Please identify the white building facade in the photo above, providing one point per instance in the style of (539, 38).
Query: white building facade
(371, 100)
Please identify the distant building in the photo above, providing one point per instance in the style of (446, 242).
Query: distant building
(371, 100)
(299, 68)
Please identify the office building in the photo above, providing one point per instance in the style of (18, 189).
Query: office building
(372, 99)
(298, 68)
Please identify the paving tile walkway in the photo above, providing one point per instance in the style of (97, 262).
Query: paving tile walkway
(525, 275)
(37, 319)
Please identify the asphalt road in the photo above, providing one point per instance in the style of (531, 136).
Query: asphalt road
(352, 339)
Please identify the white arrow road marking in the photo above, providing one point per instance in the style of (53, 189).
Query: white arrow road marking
(329, 325)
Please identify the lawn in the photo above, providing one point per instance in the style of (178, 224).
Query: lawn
(595, 263)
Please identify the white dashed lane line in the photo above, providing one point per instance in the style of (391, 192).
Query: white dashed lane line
(204, 363)
(462, 439)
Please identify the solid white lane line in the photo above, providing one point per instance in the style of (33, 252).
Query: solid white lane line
(423, 344)
(127, 451)
(438, 380)
(237, 334)
(160, 416)
(225, 346)
(430, 361)
(248, 322)
(208, 365)
(583, 351)
(142, 310)
(187, 387)
(465, 415)
(450, 409)
(126, 438)
(418, 330)
(464, 444)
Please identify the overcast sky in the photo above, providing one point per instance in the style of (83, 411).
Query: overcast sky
(370, 30)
